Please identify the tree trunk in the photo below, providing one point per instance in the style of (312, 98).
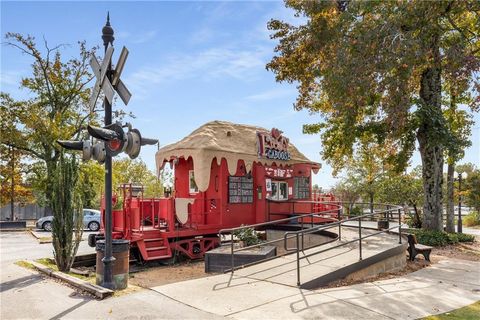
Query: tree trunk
(450, 204)
(430, 139)
(371, 194)
(417, 223)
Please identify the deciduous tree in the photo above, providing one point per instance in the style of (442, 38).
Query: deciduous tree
(57, 107)
(375, 68)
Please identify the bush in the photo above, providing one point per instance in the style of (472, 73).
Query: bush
(356, 211)
(247, 235)
(440, 238)
(472, 219)
(462, 237)
(412, 220)
(434, 238)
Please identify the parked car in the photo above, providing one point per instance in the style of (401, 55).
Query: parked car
(91, 220)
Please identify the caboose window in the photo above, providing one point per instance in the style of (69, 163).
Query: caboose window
(301, 188)
(279, 191)
(240, 189)
(192, 185)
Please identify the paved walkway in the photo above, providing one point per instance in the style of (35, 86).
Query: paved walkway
(283, 270)
(24, 294)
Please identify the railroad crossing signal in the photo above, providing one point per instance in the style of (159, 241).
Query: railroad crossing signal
(117, 141)
(103, 83)
(95, 151)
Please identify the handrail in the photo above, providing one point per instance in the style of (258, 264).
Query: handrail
(390, 209)
(339, 223)
(273, 222)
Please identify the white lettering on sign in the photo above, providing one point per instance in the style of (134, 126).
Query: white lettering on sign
(273, 145)
(278, 172)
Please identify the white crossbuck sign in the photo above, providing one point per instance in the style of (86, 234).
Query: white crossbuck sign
(103, 83)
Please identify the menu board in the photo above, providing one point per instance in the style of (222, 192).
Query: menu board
(240, 189)
(301, 188)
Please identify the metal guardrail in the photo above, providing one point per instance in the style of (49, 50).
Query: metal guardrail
(387, 214)
(273, 222)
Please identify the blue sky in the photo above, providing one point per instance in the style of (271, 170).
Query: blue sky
(189, 63)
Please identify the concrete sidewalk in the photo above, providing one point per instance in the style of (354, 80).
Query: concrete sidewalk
(439, 288)
(24, 294)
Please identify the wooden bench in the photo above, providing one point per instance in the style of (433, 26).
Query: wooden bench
(415, 248)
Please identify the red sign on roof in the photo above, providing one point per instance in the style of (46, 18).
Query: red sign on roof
(273, 145)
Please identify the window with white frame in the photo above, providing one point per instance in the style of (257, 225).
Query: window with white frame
(279, 190)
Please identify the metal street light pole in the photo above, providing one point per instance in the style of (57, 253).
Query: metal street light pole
(108, 260)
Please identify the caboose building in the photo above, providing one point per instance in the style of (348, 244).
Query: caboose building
(225, 175)
(243, 172)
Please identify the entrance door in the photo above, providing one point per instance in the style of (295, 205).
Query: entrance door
(279, 190)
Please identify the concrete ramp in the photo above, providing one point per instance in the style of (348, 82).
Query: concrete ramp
(337, 263)
(275, 280)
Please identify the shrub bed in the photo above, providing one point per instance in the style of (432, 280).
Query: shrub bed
(440, 238)
(472, 219)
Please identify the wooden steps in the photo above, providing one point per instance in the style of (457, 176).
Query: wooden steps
(154, 249)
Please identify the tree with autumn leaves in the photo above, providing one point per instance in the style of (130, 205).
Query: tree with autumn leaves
(377, 70)
(57, 107)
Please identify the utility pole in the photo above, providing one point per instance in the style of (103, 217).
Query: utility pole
(108, 260)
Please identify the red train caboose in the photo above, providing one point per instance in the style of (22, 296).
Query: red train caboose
(225, 175)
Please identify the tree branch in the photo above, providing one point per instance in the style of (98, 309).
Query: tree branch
(35, 153)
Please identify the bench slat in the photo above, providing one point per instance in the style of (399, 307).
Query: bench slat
(422, 247)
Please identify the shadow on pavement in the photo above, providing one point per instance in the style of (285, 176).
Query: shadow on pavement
(20, 282)
(72, 308)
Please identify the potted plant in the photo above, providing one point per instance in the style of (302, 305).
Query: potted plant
(247, 237)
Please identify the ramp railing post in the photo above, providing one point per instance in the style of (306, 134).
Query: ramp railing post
(339, 225)
(399, 227)
(231, 247)
(399, 234)
(298, 262)
(388, 218)
(360, 237)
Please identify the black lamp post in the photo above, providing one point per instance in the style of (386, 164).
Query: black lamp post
(459, 221)
(108, 260)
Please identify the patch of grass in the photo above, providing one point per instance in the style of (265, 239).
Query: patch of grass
(25, 264)
(45, 239)
(47, 262)
(50, 263)
(470, 312)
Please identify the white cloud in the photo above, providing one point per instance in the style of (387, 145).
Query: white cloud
(208, 64)
(272, 94)
(202, 35)
(142, 37)
(10, 78)
(136, 37)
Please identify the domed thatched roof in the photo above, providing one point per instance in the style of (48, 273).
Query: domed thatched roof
(221, 139)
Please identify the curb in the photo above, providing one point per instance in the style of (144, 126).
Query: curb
(41, 240)
(94, 289)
